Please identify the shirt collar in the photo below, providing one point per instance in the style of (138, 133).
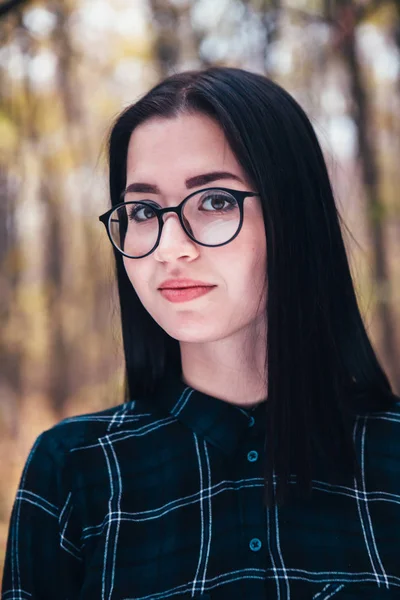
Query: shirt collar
(221, 423)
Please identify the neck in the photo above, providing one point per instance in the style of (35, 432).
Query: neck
(231, 369)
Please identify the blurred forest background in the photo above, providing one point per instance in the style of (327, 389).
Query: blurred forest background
(67, 67)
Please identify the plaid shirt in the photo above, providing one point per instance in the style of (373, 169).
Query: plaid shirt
(162, 498)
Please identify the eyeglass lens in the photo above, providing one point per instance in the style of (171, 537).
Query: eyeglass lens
(211, 217)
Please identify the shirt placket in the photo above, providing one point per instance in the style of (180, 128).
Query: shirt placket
(253, 525)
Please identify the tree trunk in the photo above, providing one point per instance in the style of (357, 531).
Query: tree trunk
(370, 176)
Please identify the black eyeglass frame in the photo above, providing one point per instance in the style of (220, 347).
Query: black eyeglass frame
(239, 196)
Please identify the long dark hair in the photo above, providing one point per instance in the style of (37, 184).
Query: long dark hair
(320, 363)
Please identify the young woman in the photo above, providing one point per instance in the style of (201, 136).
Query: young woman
(257, 454)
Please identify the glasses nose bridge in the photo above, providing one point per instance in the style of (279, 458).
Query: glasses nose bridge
(174, 209)
(171, 209)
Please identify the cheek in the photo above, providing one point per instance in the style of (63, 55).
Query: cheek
(139, 275)
(249, 266)
(251, 250)
(243, 267)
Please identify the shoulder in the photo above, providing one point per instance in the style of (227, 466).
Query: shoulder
(377, 439)
(83, 430)
(52, 469)
(382, 426)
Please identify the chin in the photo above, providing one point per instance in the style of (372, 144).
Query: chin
(190, 337)
(194, 333)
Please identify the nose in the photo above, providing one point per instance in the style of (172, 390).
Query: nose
(174, 242)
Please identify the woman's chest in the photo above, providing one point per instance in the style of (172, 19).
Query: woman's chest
(216, 537)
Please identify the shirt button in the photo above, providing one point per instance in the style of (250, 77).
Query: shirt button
(255, 544)
(252, 456)
(251, 421)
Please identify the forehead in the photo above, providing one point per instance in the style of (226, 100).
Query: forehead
(186, 144)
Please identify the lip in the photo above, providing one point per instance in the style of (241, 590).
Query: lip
(185, 294)
(172, 284)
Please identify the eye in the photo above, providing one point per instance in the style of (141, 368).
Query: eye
(141, 212)
(217, 201)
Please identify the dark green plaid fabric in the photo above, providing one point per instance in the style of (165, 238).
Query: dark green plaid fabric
(162, 498)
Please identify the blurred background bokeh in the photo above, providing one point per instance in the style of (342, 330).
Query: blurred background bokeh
(67, 67)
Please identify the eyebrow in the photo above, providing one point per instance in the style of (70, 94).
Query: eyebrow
(192, 182)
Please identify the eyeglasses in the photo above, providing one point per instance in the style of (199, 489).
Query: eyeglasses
(210, 217)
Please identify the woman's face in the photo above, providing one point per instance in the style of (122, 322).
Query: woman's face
(166, 153)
